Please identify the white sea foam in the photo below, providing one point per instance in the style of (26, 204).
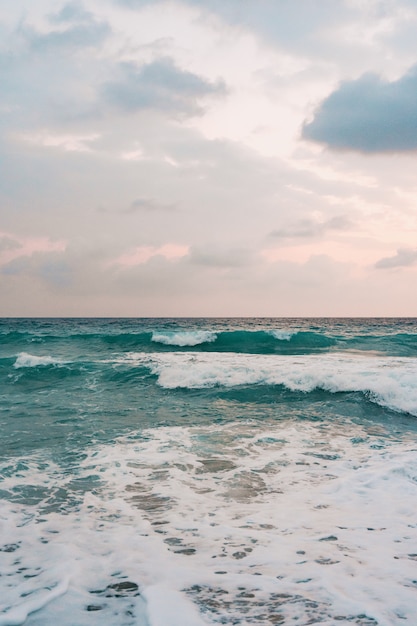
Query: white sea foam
(388, 381)
(167, 607)
(238, 520)
(29, 360)
(15, 616)
(184, 338)
(282, 335)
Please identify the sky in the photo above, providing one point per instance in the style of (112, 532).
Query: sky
(208, 158)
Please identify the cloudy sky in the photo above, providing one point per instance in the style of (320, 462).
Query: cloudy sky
(208, 157)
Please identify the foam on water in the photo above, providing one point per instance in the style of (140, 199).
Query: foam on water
(221, 472)
(388, 381)
(29, 360)
(282, 335)
(238, 524)
(184, 338)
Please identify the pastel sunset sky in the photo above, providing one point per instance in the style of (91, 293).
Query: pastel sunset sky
(208, 158)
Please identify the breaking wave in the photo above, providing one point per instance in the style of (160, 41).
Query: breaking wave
(29, 360)
(184, 338)
(389, 381)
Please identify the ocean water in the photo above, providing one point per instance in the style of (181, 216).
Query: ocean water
(188, 472)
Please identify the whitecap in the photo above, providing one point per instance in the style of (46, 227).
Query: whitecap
(184, 338)
(29, 360)
(282, 335)
(387, 381)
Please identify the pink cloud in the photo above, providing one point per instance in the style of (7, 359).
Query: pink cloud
(338, 251)
(26, 246)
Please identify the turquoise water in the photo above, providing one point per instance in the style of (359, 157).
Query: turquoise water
(203, 471)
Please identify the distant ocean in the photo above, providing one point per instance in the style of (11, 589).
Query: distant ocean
(188, 472)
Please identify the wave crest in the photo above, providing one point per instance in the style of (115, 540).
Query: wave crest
(29, 360)
(184, 338)
(282, 335)
(388, 381)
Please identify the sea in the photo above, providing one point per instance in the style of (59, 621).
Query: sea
(192, 472)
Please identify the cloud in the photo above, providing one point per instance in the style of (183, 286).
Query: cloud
(77, 36)
(308, 228)
(149, 205)
(15, 247)
(186, 204)
(217, 257)
(159, 85)
(81, 29)
(7, 243)
(56, 273)
(71, 12)
(70, 143)
(327, 31)
(276, 21)
(50, 75)
(368, 115)
(143, 254)
(405, 257)
(80, 281)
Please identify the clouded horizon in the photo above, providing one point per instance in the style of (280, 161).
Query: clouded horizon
(208, 158)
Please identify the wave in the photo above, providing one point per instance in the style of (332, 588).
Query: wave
(389, 381)
(282, 335)
(184, 338)
(14, 337)
(238, 341)
(29, 360)
(400, 344)
(241, 341)
(272, 341)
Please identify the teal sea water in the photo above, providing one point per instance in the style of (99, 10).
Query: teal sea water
(182, 472)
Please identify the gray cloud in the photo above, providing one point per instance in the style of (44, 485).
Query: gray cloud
(368, 115)
(215, 257)
(56, 273)
(158, 85)
(277, 21)
(77, 36)
(49, 268)
(405, 257)
(149, 205)
(7, 243)
(223, 192)
(308, 228)
(82, 30)
(49, 77)
(71, 12)
(77, 282)
(57, 72)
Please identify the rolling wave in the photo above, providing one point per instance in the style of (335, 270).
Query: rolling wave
(211, 338)
(184, 338)
(388, 381)
(29, 360)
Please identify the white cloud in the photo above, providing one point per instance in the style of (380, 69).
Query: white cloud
(70, 143)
